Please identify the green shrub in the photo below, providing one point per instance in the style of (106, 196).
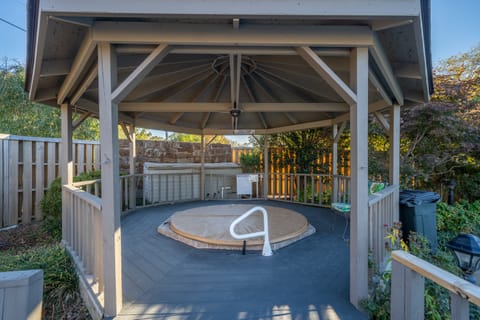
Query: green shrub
(451, 220)
(51, 204)
(60, 281)
(251, 162)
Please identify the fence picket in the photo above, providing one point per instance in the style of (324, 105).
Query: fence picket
(39, 178)
(27, 182)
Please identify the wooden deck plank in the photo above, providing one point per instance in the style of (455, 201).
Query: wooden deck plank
(165, 279)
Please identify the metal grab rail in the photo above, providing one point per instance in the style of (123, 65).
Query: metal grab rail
(267, 250)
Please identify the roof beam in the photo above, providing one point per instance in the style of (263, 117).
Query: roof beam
(376, 83)
(408, 71)
(381, 59)
(301, 126)
(174, 107)
(91, 76)
(92, 107)
(232, 8)
(80, 120)
(159, 107)
(328, 74)
(83, 56)
(218, 34)
(53, 68)
(383, 122)
(340, 132)
(245, 50)
(294, 107)
(140, 72)
(372, 107)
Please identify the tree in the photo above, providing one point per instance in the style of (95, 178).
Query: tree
(195, 138)
(304, 148)
(441, 139)
(19, 116)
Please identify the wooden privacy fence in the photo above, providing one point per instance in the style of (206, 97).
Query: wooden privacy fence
(27, 167)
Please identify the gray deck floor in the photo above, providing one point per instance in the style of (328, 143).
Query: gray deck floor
(165, 279)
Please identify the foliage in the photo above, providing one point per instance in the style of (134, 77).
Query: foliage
(51, 203)
(51, 207)
(303, 148)
(251, 162)
(60, 295)
(19, 116)
(451, 220)
(441, 140)
(183, 137)
(437, 145)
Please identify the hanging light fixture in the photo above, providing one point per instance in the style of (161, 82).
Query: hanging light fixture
(466, 248)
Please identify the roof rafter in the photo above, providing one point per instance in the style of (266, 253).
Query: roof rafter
(140, 72)
(79, 63)
(327, 74)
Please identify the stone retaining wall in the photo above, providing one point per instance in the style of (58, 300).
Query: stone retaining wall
(172, 152)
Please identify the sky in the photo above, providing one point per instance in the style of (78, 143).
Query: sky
(455, 29)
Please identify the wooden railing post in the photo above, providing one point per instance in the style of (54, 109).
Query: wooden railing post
(407, 298)
(460, 308)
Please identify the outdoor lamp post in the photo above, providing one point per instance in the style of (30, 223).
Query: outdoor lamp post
(466, 248)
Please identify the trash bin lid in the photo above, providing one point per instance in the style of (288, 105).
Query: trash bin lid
(413, 198)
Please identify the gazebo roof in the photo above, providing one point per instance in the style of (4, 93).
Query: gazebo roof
(189, 65)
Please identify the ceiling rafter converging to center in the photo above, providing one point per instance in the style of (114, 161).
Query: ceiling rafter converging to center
(166, 74)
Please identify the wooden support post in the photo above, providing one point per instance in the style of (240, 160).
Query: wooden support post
(359, 177)
(66, 161)
(133, 157)
(394, 171)
(266, 165)
(394, 166)
(202, 168)
(108, 111)
(334, 164)
(459, 307)
(407, 293)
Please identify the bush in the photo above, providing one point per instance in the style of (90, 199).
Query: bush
(451, 220)
(251, 162)
(51, 204)
(60, 294)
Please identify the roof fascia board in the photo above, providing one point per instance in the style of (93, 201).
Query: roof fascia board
(422, 55)
(40, 38)
(264, 8)
(381, 59)
(218, 34)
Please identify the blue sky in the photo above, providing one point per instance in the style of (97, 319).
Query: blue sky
(455, 28)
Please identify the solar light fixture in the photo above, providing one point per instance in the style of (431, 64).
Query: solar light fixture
(466, 248)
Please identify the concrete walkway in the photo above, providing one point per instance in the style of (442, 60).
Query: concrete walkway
(165, 279)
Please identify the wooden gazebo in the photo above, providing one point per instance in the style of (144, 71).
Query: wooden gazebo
(228, 67)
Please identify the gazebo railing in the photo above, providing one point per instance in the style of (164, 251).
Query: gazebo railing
(382, 213)
(310, 189)
(408, 286)
(143, 190)
(84, 238)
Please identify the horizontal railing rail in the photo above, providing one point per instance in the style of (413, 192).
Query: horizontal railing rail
(84, 237)
(407, 295)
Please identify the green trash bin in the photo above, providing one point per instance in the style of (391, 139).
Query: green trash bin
(418, 213)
